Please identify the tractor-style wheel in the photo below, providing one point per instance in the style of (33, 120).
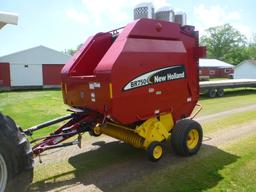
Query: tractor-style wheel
(16, 160)
(186, 137)
(95, 131)
(155, 151)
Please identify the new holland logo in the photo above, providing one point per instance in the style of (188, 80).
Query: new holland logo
(157, 76)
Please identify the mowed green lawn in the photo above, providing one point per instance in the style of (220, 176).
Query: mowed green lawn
(229, 167)
(29, 108)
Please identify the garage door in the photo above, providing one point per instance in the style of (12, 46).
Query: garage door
(26, 75)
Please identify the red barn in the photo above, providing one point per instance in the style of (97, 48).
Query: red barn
(32, 68)
(215, 68)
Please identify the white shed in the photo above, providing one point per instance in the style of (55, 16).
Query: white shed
(34, 66)
(245, 70)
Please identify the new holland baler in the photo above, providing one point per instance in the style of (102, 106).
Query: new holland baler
(141, 82)
(138, 84)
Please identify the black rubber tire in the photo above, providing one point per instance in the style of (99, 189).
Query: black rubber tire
(93, 133)
(150, 150)
(220, 92)
(179, 136)
(17, 154)
(212, 93)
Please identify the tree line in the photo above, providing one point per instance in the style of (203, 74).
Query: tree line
(227, 44)
(223, 42)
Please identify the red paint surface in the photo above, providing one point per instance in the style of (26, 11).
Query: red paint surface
(139, 48)
(51, 74)
(218, 72)
(5, 79)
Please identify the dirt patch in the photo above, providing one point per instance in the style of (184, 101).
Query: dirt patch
(67, 152)
(215, 116)
(230, 134)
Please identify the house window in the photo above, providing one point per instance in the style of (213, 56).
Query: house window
(212, 72)
(227, 70)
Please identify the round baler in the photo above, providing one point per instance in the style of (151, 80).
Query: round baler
(143, 81)
(138, 84)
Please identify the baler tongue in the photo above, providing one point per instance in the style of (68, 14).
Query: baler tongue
(79, 121)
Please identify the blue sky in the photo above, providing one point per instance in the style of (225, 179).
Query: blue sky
(61, 25)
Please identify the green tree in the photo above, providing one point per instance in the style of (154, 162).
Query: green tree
(72, 51)
(252, 48)
(225, 43)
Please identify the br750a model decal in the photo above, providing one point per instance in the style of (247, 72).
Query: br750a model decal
(157, 76)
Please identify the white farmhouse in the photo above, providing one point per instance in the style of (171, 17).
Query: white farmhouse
(245, 70)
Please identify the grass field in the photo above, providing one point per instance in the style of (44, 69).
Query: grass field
(29, 108)
(228, 167)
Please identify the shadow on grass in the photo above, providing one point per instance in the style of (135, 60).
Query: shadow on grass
(232, 93)
(118, 167)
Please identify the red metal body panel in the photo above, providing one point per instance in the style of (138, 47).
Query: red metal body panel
(51, 74)
(150, 68)
(5, 79)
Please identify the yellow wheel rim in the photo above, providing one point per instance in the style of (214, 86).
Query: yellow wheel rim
(193, 139)
(96, 130)
(157, 152)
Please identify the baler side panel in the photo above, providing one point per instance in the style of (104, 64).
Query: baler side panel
(138, 57)
(143, 47)
(84, 92)
(78, 74)
(190, 42)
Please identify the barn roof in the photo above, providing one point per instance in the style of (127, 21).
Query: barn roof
(253, 62)
(248, 61)
(214, 63)
(36, 55)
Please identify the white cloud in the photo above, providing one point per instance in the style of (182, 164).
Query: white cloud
(112, 11)
(245, 30)
(211, 16)
(116, 12)
(80, 17)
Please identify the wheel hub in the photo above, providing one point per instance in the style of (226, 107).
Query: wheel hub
(97, 130)
(193, 138)
(157, 152)
(3, 174)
